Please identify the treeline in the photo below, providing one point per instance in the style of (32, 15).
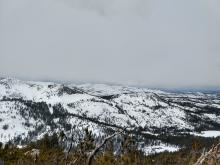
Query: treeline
(53, 150)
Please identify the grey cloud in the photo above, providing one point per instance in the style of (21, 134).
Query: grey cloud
(152, 43)
(113, 7)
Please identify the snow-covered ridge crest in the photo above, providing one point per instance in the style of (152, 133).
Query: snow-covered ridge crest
(39, 107)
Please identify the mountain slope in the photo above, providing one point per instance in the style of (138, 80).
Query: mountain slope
(31, 109)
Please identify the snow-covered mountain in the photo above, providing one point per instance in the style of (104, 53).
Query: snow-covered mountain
(31, 109)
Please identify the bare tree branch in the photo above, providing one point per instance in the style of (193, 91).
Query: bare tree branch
(96, 150)
(212, 156)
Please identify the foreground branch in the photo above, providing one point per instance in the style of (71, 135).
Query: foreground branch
(212, 156)
(96, 150)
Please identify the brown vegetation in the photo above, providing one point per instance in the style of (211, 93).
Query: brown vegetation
(47, 151)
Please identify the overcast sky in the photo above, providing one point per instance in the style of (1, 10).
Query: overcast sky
(154, 43)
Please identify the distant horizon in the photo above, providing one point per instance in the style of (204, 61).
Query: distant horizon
(77, 82)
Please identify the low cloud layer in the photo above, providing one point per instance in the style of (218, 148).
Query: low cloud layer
(153, 43)
(109, 8)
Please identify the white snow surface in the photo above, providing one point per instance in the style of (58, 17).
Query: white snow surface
(15, 123)
(162, 147)
(111, 104)
(210, 133)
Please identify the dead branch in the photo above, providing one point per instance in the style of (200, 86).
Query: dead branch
(73, 162)
(96, 150)
(212, 156)
(68, 152)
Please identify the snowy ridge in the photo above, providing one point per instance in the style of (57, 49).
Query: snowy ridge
(29, 109)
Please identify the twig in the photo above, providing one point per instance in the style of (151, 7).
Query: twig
(211, 155)
(95, 151)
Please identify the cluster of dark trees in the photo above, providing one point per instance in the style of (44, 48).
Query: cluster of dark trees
(52, 150)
